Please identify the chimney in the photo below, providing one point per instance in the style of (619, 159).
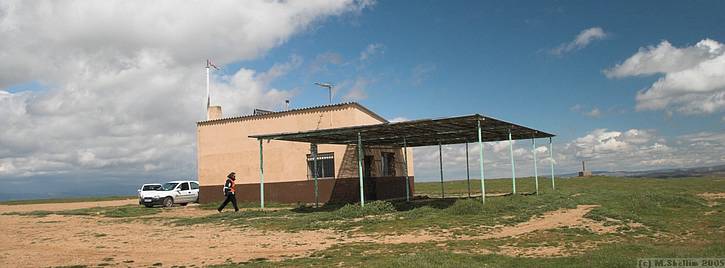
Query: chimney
(286, 105)
(214, 112)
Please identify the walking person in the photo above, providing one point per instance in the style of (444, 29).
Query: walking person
(229, 190)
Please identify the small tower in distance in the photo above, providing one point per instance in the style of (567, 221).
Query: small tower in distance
(584, 172)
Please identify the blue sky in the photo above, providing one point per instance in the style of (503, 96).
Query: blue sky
(493, 58)
(107, 97)
(436, 59)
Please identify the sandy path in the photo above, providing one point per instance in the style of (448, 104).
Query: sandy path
(91, 240)
(68, 240)
(550, 220)
(65, 206)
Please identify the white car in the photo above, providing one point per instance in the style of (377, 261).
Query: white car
(168, 194)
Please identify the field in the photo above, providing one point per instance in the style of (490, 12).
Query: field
(592, 222)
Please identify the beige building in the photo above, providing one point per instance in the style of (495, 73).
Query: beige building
(224, 146)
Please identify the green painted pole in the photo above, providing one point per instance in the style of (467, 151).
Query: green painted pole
(440, 159)
(536, 171)
(513, 165)
(261, 175)
(480, 162)
(405, 167)
(314, 160)
(360, 169)
(551, 157)
(468, 172)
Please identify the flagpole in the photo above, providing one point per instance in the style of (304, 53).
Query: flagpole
(207, 90)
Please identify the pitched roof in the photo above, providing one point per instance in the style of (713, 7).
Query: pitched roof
(293, 111)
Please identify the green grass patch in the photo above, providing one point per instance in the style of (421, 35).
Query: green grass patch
(430, 255)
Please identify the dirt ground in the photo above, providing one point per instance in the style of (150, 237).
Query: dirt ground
(65, 206)
(55, 240)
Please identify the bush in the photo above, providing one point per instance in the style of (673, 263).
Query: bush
(466, 207)
(372, 208)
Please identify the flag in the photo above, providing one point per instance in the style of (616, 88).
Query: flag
(209, 63)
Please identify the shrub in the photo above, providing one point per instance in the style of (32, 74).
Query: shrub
(466, 207)
(372, 208)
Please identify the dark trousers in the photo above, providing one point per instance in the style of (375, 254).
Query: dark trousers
(230, 197)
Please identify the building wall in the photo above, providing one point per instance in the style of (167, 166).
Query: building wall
(339, 190)
(224, 146)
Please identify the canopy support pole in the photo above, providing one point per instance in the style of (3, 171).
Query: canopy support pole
(405, 168)
(551, 157)
(314, 159)
(360, 169)
(513, 165)
(440, 159)
(536, 171)
(480, 162)
(261, 174)
(468, 172)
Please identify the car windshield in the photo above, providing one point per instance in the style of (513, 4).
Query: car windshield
(169, 186)
(155, 187)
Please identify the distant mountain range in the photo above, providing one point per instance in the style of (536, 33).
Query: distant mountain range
(661, 173)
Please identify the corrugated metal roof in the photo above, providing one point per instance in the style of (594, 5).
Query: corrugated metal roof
(292, 111)
(424, 132)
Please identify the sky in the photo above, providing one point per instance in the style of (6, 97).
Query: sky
(97, 97)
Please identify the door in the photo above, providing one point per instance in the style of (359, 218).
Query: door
(184, 193)
(368, 166)
(194, 192)
(368, 181)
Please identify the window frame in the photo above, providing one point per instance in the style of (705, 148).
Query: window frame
(181, 186)
(387, 164)
(328, 157)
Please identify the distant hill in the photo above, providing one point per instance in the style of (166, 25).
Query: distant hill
(662, 173)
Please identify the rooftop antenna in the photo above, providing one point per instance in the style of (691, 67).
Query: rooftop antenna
(208, 99)
(329, 88)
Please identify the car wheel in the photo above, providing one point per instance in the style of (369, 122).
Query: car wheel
(148, 205)
(168, 202)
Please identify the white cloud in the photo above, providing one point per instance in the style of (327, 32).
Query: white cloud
(125, 79)
(595, 112)
(371, 50)
(582, 109)
(576, 108)
(399, 119)
(278, 70)
(693, 81)
(321, 61)
(582, 40)
(603, 149)
(358, 90)
(421, 72)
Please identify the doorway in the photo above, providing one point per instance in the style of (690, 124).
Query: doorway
(368, 181)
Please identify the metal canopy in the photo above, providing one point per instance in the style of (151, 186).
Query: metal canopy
(425, 132)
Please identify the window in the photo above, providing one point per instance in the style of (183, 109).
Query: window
(325, 165)
(153, 187)
(388, 160)
(169, 186)
(194, 186)
(185, 186)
